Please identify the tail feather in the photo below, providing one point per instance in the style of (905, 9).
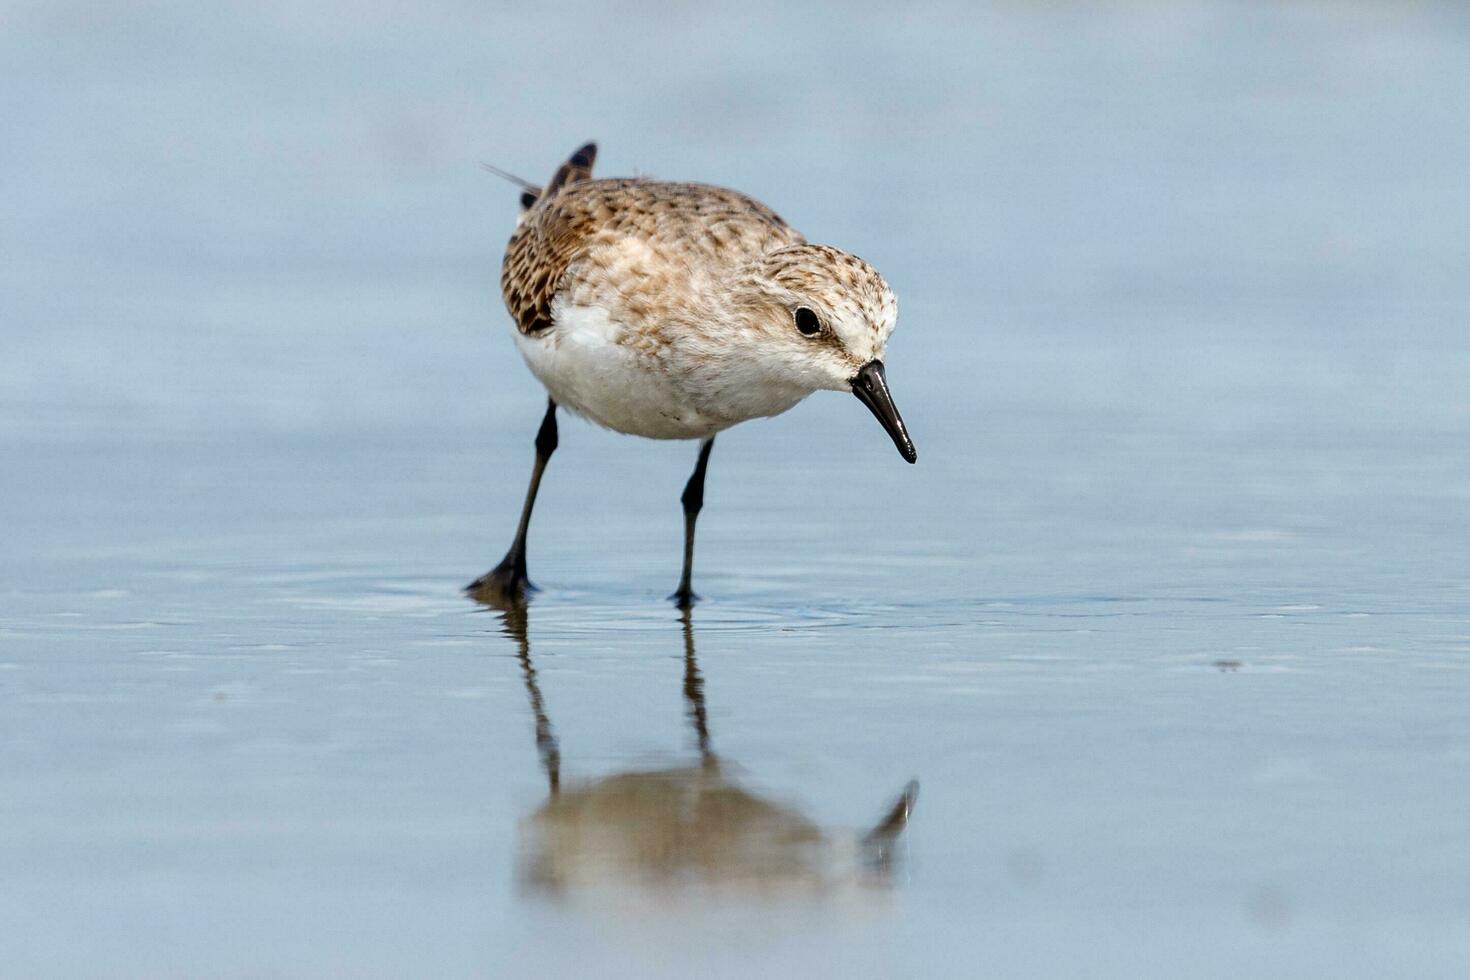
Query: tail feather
(577, 168)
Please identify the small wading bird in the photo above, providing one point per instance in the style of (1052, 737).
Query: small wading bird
(674, 311)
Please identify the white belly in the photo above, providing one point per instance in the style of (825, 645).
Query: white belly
(587, 370)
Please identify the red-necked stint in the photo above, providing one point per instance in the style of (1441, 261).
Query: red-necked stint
(674, 311)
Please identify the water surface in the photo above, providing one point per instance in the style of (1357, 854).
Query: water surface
(1169, 622)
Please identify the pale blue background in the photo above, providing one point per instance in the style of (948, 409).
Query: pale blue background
(1182, 345)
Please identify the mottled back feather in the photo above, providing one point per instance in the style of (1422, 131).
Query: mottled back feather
(576, 214)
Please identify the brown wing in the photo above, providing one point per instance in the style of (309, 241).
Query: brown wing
(575, 214)
(533, 265)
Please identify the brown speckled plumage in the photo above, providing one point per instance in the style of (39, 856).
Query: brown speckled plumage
(667, 309)
(678, 223)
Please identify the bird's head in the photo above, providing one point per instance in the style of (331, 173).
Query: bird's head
(820, 318)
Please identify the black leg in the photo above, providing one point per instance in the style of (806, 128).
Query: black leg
(507, 581)
(693, 500)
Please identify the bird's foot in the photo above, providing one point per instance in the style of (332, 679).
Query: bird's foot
(504, 585)
(684, 598)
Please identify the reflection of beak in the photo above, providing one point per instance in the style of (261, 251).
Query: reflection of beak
(871, 387)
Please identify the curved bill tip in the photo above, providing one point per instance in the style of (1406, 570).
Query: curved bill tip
(870, 385)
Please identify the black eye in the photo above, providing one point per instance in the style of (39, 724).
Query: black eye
(807, 322)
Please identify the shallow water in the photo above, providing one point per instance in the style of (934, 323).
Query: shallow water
(1169, 622)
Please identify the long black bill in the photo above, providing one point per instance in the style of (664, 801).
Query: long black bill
(871, 387)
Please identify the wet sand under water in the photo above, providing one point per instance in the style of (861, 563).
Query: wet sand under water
(264, 728)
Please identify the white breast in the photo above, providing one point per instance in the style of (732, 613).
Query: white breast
(586, 369)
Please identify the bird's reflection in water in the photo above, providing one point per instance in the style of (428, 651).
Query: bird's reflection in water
(685, 827)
